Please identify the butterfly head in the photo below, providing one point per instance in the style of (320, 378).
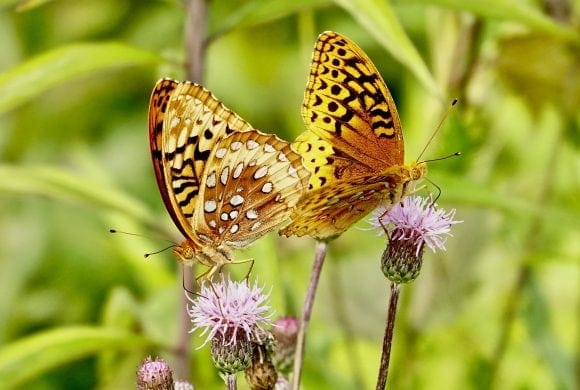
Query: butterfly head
(185, 252)
(417, 170)
(188, 253)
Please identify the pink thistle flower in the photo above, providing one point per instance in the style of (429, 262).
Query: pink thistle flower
(411, 224)
(414, 218)
(232, 316)
(230, 309)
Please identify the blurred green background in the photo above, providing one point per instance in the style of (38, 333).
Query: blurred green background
(80, 308)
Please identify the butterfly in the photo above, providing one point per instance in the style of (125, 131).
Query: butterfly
(353, 145)
(224, 183)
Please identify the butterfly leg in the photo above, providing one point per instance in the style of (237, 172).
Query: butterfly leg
(206, 274)
(421, 187)
(249, 270)
(383, 225)
(250, 260)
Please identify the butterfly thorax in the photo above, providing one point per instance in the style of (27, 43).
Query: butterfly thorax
(188, 253)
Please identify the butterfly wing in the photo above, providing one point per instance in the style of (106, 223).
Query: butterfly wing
(185, 122)
(353, 145)
(251, 184)
(348, 106)
(330, 210)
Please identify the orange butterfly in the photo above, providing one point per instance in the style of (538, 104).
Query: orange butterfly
(353, 145)
(224, 183)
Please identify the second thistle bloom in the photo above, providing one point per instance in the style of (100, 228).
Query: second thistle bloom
(411, 224)
(231, 315)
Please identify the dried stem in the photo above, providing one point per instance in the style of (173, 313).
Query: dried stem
(195, 39)
(388, 339)
(231, 382)
(195, 49)
(320, 254)
(182, 364)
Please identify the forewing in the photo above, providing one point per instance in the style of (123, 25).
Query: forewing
(347, 104)
(185, 122)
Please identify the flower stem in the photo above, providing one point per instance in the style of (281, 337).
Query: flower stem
(388, 339)
(231, 382)
(320, 254)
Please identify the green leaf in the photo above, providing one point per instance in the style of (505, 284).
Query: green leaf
(506, 10)
(59, 184)
(379, 19)
(30, 79)
(30, 357)
(259, 12)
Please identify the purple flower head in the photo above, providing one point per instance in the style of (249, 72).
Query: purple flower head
(416, 219)
(229, 310)
(154, 374)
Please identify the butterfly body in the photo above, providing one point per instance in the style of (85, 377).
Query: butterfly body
(224, 183)
(353, 146)
(189, 252)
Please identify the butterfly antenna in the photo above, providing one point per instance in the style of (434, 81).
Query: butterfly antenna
(456, 154)
(146, 255)
(437, 128)
(115, 231)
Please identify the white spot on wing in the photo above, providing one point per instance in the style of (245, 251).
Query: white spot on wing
(238, 170)
(251, 144)
(209, 206)
(269, 148)
(292, 172)
(224, 175)
(221, 230)
(234, 214)
(282, 157)
(252, 214)
(267, 187)
(221, 152)
(256, 225)
(253, 163)
(234, 228)
(236, 200)
(174, 121)
(261, 172)
(236, 145)
(224, 216)
(212, 223)
(210, 181)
